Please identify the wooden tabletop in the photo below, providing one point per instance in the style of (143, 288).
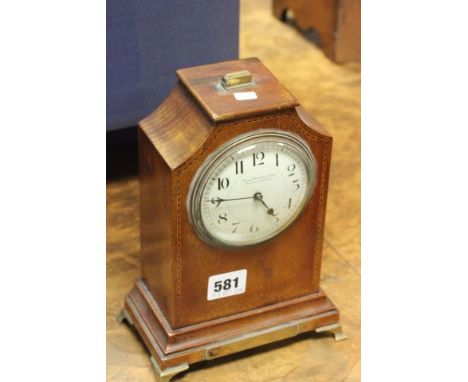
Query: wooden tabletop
(332, 94)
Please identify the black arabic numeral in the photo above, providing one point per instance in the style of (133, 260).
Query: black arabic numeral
(223, 183)
(217, 286)
(254, 228)
(222, 218)
(236, 225)
(258, 157)
(227, 284)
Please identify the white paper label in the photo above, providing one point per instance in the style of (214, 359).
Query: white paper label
(245, 96)
(227, 284)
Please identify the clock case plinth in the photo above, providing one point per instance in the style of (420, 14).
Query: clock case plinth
(173, 350)
(168, 305)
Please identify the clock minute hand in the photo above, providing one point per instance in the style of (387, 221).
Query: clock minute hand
(218, 200)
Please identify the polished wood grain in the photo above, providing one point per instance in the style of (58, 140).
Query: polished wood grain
(337, 22)
(188, 261)
(177, 142)
(332, 94)
(204, 84)
(171, 347)
(348, 31)
(273, 276)
(155, 191)
(169, 306)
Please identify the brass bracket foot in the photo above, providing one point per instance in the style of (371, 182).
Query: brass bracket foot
(336, 329)
(167, 374)
(161, 375)
(123, 316)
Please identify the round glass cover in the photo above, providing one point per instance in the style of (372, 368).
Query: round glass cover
(251, 188)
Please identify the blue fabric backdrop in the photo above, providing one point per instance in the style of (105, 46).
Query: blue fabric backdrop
(147, 40)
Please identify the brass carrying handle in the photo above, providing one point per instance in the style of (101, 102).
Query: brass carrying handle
(236, 79)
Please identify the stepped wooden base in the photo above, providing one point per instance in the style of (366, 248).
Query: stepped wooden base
(173, 350)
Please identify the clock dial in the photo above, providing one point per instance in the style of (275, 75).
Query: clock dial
(252, 188)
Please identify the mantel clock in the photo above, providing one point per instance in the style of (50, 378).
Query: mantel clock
(233, 189)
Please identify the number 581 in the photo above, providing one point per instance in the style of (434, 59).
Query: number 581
(226, 284)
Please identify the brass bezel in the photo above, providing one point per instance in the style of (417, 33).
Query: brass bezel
(194, 197)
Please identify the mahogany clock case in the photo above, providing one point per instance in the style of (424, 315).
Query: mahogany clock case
(169, 304)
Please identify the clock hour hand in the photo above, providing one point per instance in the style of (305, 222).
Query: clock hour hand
(270, 211)
(218, 200)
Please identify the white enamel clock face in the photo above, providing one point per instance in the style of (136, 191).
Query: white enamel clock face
(252, 188)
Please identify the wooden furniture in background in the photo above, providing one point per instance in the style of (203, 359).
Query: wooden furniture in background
(168, 306)
(337, 22)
